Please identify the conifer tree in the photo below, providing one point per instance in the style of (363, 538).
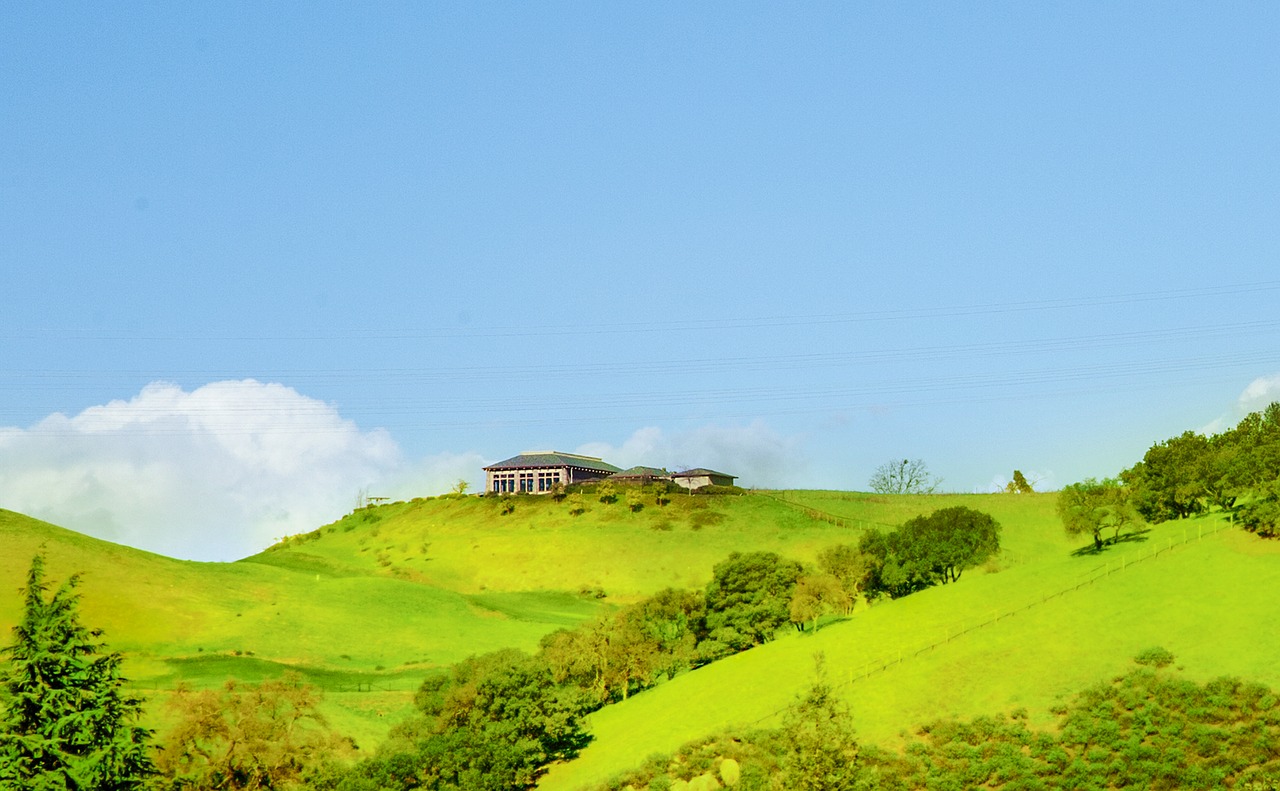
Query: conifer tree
(66, 722)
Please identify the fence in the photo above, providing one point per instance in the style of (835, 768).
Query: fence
(824, 516)
(852, 675)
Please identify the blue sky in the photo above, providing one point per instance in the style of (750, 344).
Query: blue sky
(262, 258)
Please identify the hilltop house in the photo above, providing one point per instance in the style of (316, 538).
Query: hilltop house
(537, 471)
(700, 477)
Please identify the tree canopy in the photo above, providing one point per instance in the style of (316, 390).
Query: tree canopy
(749, 597)
(1092, 506)
(1186, 475)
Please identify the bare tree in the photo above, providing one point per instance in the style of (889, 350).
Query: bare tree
(904, 477)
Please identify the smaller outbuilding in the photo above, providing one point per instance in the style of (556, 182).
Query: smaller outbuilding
(701, 476)
(641, 475)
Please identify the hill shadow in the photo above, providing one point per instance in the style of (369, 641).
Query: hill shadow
(1125, 538)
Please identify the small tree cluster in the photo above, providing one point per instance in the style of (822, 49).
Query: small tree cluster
(928, 550)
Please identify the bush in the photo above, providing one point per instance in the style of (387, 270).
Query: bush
(730, 772)
(1154, 657)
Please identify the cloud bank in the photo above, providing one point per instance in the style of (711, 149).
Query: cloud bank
(217, 473)
(222, 471)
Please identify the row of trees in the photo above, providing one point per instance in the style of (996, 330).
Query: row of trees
(1237, 470)
(1188, 474)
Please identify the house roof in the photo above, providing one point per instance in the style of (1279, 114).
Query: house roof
(642, 472)
(553, 458)
(699, 472)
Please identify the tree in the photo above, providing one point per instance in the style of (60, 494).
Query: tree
(460, 488)
(1170, 480)
(951, 540)
(1092, 506)
(1019, 484)
(607, 492)
(821, 748)
(492, 724)
(67, 722)
(635, 500)
(1262, 516)
(903, 477)
(814, 596)
(849, 566)
(749, 598)
(264, 735)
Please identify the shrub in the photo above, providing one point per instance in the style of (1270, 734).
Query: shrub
(730, 772)
(1155, 656)
(508, 506)
(607, 492)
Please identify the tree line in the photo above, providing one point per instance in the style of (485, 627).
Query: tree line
(1237, 470)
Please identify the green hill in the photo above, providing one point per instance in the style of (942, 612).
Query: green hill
(1027, 636)
(365, 607)
(368, 605)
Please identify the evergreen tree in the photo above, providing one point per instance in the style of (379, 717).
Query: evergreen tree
(821, 748)
(66, 724)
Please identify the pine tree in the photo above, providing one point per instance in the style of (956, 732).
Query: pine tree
(822, 751)
(66, 724)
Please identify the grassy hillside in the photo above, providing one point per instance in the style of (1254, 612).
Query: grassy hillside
(203, 623)
(467, 545)
(958, 651)
(376, 600)
(380, 597)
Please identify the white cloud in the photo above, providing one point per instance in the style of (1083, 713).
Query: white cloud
(757, 454)
(1260, 393)
(1256, 396)
(212, 474)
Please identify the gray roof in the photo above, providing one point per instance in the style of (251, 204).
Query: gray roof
(698, 472)
(553, 458)
(642, 472)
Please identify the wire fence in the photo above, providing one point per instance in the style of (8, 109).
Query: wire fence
(850, 675)
(825, 516)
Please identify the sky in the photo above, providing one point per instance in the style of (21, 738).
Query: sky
(257, 260)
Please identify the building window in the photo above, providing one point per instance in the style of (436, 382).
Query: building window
(547, 480)
(526, 482)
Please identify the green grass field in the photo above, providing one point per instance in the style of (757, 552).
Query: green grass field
(368, 605)
(957, 651)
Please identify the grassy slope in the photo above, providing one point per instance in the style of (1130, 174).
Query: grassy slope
(383, 595)
(464, 545)
(1204, 600)
(203, 623)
